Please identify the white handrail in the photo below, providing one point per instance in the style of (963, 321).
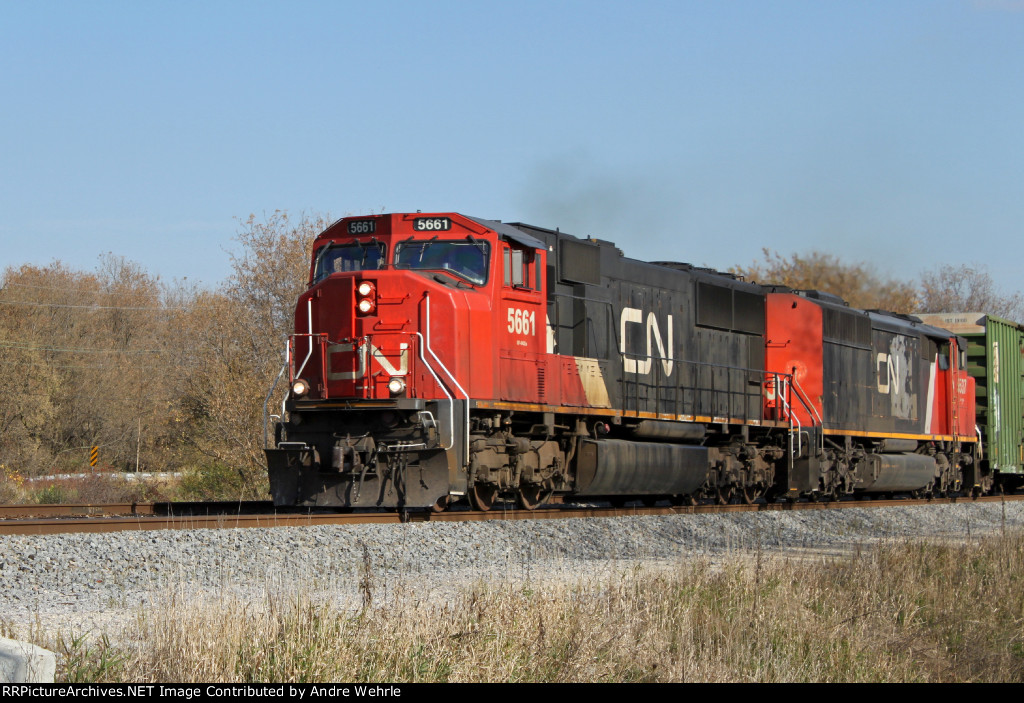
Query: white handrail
(309, 315)
(426, 298)
(790, 415)
(441, 385)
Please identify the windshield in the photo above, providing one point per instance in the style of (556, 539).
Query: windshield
(334, 258)
(466, 259)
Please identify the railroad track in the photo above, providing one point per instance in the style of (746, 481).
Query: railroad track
(52, 519)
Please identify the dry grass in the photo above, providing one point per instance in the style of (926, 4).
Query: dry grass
(896, 612)
(93, 488)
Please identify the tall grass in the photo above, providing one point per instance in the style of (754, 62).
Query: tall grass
(894, 612)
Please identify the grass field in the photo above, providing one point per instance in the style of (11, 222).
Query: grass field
(908, 611)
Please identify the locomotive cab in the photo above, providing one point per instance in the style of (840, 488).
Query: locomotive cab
(394, 335)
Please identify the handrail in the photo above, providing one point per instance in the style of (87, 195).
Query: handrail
(790, 415)
(424, 349)
(698, 386)
(267, 399)
(811, 411)
(806, 402)
(309, 313)
(699, 392)
(443, 387)
(465, 395)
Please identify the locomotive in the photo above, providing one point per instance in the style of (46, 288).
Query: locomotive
(440, 358)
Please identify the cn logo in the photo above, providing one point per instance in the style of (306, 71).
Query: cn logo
(642, 365)
(362, 352)
(895, 377)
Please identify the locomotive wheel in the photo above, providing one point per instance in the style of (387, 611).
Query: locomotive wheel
(752, 493)
(482, 496)
(723, 495)
(531, 496)
(926, 493)
(441, 505)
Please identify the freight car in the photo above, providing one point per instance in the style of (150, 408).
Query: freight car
(439, 358)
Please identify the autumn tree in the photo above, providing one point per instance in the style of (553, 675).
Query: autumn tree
(855, 282)
(232, 343)
(82, 366)
(157, 376)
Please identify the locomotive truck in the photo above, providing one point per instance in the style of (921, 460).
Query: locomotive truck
(441, 358)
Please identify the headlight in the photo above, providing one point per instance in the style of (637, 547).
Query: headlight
(396, 386)
(367, 293)
(300, 387)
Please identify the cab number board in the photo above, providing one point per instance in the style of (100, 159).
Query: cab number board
(362, 227)
(432, 224)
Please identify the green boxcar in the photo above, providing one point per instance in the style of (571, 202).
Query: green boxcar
(995, 358)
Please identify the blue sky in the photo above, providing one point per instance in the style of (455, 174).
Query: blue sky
(887, 132)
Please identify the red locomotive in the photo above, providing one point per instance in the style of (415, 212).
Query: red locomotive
(439, 357)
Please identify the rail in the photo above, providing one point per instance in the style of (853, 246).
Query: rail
(43, 519)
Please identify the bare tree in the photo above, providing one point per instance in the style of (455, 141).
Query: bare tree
(967, 288)
(272, 269)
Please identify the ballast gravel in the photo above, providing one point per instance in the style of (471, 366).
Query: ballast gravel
(84, 579)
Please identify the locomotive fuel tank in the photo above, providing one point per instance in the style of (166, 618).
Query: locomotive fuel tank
(895, 473)
(618, 467)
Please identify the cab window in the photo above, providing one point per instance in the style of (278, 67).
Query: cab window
(519, 269)
(465, 259)
(352, 256)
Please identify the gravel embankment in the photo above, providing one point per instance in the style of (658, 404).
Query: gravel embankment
(90, 579)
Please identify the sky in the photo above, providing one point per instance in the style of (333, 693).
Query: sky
(887, 132)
